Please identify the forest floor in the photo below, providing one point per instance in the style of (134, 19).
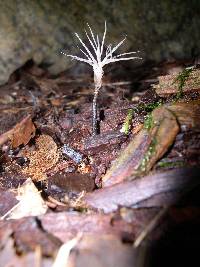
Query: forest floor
(128, 196)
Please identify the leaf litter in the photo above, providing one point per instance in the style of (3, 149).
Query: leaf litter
(57, 193)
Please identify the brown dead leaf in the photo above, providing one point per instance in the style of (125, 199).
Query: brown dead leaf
(187, 113)
(66, 225)
(9, 257)
(20, 134)
(23, 132)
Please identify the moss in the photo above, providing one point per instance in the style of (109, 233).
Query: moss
(151, 106)
(127, 122)
(168, 164)
(151, 150)
(148, 107)
(181, 79)
(81, 209)
(148, 123)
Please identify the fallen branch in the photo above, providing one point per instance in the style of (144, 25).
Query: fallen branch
(130, 193)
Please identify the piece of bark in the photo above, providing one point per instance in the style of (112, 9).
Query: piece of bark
(128, 160)
(133, 192)
(169, 84)
(187, 113)
(66, 225)
(96, 143)
(145, 149)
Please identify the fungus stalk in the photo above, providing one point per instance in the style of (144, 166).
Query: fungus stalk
(98, 58)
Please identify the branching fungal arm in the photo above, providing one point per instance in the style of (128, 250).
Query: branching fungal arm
(97, 58)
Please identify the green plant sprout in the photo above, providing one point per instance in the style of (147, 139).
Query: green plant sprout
(148, 123)
(127, 123)
(98, 58)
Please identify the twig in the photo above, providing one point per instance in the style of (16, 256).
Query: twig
(146, 231)
(38, 256)
(62, 258)
(117, 83)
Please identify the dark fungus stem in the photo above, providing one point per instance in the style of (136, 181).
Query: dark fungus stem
(94, 112)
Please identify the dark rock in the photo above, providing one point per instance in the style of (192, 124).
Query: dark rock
(39, 30)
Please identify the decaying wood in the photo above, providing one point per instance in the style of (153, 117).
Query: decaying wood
(145, 149)
(129, 159)
(169, 84)
(133, 192)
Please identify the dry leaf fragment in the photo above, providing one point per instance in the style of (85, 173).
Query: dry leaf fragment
(30, 202)
(20, 134)
(23, 132)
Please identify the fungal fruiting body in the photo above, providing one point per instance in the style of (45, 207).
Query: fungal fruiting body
(98, 58)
